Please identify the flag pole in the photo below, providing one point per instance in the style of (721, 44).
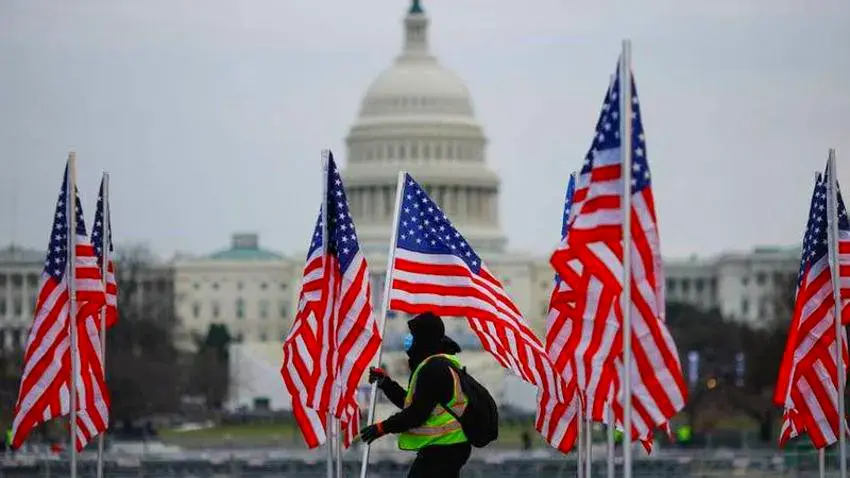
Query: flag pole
(338, 445)
(580, 442)
(821, 462)
(836, 295)
(329, 421)
(104, 270)
(71, 211)
(626, 305)
(385, 305)
(609, 430)
(588, 446)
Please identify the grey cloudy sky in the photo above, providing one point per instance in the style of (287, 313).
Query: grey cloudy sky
(210, 114)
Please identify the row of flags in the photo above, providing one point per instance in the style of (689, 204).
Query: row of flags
(74, 263)
(579, 369)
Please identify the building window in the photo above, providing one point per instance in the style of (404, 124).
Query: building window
(263, 337)
(671, 285)
(196, 286)
(2, 280)
(215, 310)
(17, 280)
(745, 307)
(32, 280)
(264, 286)
(17, 306)
(283, 286)
(745, 281)
(2, 306)
(239, 285)
(283, 309)
(264, 309)
(761, 278)
(196, 309)
(33, 300)
(215, 285)
(240, 308)
(699, 284)
(686, 286)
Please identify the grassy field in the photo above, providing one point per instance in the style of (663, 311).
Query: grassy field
(288, 435)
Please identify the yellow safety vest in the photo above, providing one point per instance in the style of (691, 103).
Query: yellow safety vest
(440, 428)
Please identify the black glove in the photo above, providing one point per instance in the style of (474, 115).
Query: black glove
(377, 375)
(372, 433)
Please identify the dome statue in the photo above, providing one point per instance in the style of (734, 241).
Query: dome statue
(418, 116)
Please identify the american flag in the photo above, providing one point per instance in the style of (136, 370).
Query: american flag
(101, 238)
(590, 260)
(807, 386)
(45, 383)
(436, 270)
(334, 335)
(560, 339)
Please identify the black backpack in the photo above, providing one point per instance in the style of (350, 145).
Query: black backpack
(480, 419)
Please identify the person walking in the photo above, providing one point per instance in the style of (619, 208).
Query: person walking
(427, 423)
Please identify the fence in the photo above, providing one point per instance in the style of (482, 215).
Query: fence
(696, 464)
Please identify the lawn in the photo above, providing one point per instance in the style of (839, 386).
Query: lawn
(254, 434)
(287, 435)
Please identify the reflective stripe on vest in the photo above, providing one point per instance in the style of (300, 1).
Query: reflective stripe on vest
(440, 428)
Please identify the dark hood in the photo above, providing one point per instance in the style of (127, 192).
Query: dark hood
(429, 338)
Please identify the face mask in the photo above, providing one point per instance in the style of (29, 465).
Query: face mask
(408, 342)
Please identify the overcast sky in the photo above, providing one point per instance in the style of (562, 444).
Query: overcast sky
(211, 114)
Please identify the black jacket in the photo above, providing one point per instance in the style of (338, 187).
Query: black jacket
(434, 386)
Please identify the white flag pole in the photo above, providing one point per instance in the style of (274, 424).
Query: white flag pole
(338, 444)
(106, 242)
(71, 277)
(832, 209)
(329, 420)
(610, 432)
(821, 463)
(385, 305)
(580, 442)
(626, 305)
(588, 446)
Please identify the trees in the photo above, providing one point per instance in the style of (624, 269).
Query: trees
(210, 368)
(141, 361)
(718, 341)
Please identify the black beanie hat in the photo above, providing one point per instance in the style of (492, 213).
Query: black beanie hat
(427, 328)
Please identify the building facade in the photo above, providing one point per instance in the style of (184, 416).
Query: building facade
(249, 289)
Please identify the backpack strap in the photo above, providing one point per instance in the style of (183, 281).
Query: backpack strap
(457, 371)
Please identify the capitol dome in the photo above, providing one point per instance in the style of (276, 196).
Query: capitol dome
(418, 116)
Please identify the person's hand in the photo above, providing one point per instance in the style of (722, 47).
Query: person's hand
(372, 433)
(377, 375)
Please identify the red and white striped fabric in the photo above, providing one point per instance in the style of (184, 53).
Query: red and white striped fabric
(335, 335)
(101, 239)
(807, 386)
(590, 259)
(45, 383)
(436, 270)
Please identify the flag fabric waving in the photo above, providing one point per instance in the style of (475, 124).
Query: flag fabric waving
(435, 269)
(45, 382)
(590, 258)
(334, 335)
(101, 238)
(807, 386)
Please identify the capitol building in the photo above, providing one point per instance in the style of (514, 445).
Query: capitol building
(416, 116)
